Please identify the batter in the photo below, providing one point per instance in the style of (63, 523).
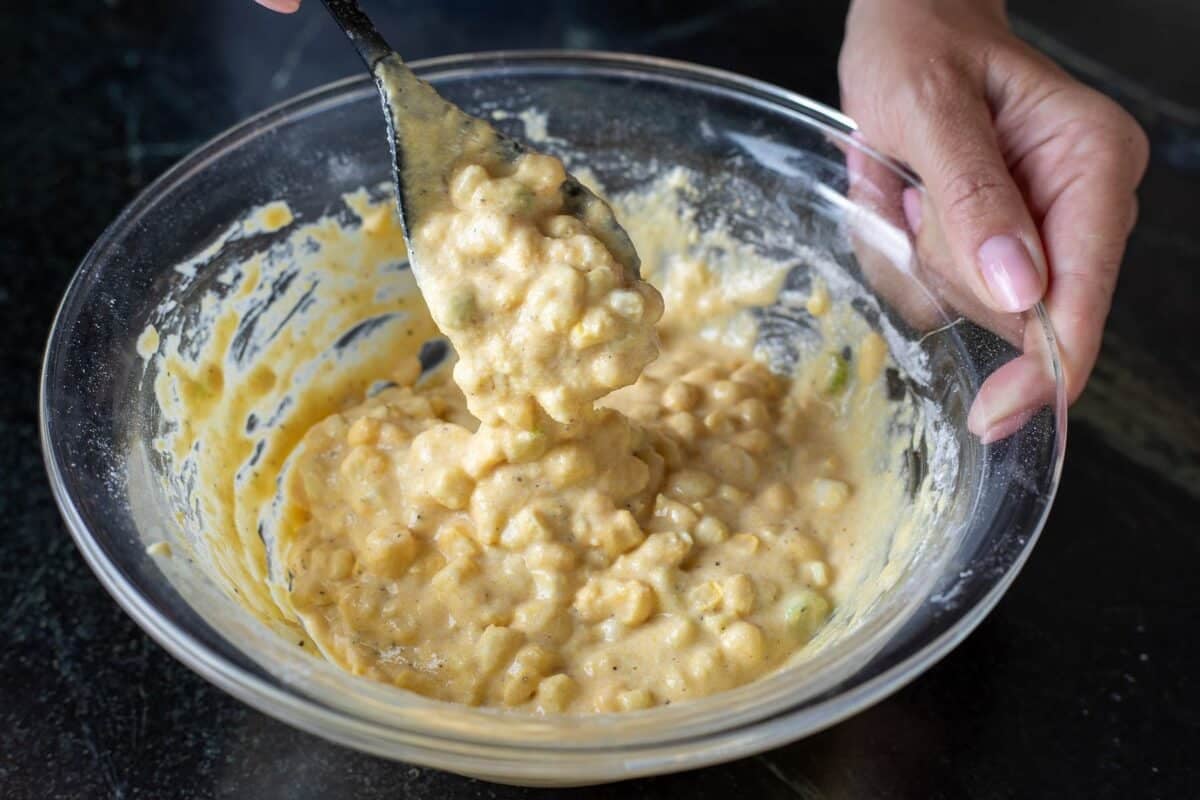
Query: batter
(505, 540)
(553, 520)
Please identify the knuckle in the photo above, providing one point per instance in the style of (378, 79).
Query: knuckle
(972, 194)
(1123, 136)
(938, 83)
(1109, 135)
(1137, 142)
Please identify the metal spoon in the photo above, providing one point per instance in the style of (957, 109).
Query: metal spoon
(430, 137)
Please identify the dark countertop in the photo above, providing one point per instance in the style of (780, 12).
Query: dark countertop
(1084, 682)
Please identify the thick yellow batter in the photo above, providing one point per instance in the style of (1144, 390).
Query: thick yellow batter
(528, 547)
(583, 528)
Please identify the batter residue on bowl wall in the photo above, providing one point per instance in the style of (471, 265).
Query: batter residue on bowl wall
(584, 527)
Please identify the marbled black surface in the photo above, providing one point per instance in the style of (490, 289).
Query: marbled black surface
(1084, 682)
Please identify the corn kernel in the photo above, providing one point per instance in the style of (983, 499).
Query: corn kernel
(482, 456)
(364, 464)
(753, 413)
(828, 494)
(520, 414)
(818, 301)
(526, 527)
(519, 686)
(734, 465)
(550, 556)
(556, 692)
(680, 396)
(363, 430)
(557, 298)
(803, 548)
(738, 593)
(705, 375)
(684, 425)
(757, 377)
(496, 646)
(549, 586)
(673, 515)
(732, 494)
(562, 227)
(805, 612)
(872, 352)
(710, 530)
(619, 535)
(452, 488)
(719, 423)
(664, 549)
(597, 327)
(449, 580)
(725, 393)
(753, 441)
(454, 541)
(389, 551)
(392, 436)
(815, 573)
(744, 544)
(568, 464)
(541, 618)
(705, 597)
(691, 484)
(777, 497)
(627, 303)
(743, 643)
(703, 665)
(601, 281)
(536, 659)
(635, 699)
(635, 603)
(679, 631)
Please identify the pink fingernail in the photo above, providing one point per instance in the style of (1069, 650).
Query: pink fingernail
(282, 6)
(1009, 273)
(854, 165)
(911, 199)
(1005, 427)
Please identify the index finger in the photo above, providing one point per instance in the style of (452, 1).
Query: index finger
(282, 6)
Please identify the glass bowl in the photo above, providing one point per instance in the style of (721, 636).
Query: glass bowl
(627, 117)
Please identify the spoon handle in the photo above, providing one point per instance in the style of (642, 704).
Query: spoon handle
(361, 31)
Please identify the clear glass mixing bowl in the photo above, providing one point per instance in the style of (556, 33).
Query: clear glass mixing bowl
(626, 117)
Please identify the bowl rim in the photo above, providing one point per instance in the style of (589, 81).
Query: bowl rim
(282, 702)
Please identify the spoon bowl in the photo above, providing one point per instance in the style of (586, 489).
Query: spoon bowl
(430, 136)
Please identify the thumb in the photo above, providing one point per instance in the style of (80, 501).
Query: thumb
(951, 144)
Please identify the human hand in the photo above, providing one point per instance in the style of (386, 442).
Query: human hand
(1029, 175)
(282, 6)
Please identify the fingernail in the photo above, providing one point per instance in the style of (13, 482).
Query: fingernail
(1005, 427)
(1009, 273)
(282, 6)
(854, 165)
(911, 199)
